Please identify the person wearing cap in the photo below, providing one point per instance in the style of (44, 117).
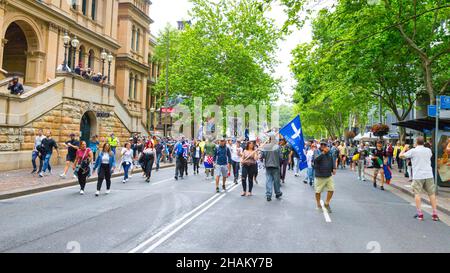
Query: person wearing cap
(113, 141)
(324, 168)
(222, 163)
(72, 146)
(15, 87)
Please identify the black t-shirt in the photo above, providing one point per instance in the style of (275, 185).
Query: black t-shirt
(48, 145)
(380, 154)
(72, 152)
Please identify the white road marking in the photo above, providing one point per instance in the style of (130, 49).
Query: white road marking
(325, 212)
(164, 230)
(163, 239)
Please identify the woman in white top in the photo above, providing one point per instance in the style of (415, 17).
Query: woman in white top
(127, 160)
(236, 151)
(105, 164)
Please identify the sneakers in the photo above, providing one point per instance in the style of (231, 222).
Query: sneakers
(328, 208)
(278, 196)
(382, 188)
(419, 217)
(435, 217)
(224, 188)
(217, 190)
(97, 193)
(375, 184)
(108, 191)
(176, 177)
(269, 198)
(319, 209)
(33, 171)
(81, 192)
(147, 180)
(62, 176)
(41, 174)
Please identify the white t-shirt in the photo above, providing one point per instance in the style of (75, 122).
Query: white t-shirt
(235, 153)
(127, 155)
(197, 152)
(105, 158)
(309, 158)
(421, 162)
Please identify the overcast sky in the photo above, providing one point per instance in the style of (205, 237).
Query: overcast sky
(170, 11)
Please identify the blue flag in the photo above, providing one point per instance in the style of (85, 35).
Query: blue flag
(293, 134)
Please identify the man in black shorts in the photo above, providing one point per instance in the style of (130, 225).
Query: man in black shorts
(72, 147)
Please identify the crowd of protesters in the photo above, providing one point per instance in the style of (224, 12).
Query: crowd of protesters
(242, 159)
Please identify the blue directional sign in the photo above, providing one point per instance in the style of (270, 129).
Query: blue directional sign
(445, 102)
(432, 110)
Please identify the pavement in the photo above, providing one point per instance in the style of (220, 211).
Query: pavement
(400, 182)
(21, 182)
(188, 216)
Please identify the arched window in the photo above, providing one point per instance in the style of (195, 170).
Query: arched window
(91, 59)
(94, 10)
(136, 87)
(81, 55)
(75, 4)
(133, 38)
(84, 7)
(130, 90)
(138, 36)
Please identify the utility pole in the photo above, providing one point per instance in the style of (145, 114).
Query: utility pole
(436, 148)
(167, 81)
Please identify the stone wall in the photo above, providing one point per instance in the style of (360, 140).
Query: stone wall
(61, 121)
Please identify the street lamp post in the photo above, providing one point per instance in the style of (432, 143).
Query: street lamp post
(110, 59)
(66, 40)
(75, 43)
(167, 80)
(103, 56)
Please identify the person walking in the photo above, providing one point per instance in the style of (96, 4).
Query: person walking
(186, 156)
(249, 157)
(159, 148)
(352, 150)
(284, 158)
(422, 175)
(38, 151)
(342, 155)
(72, 146)
(389, 154)
(113, 142)
(397, 150)
(296, 158)
(106, 164)
(210, 150)
(310, 160)
(83, 159)
(378, 158)
(271, 157)
(93, 145)
(222, 164)
(196, 153)
(48, 144)
(236, 152)
(127, 161)
(362, 155)
(325, 168)
(148, 156)
(179, 159)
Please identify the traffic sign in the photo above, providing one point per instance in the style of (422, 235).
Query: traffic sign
(432, 110)
(445, 102)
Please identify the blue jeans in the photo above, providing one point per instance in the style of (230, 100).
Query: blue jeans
(47, 163)
(272, 181)
(158, 159)
(113, 149)
(126, 167)
(34, 156)
(311, 175)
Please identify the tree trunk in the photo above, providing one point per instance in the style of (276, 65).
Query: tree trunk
(428, 77)
(402, 137)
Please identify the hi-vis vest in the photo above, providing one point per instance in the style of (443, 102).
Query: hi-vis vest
(112, 141)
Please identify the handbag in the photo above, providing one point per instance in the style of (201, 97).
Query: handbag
(84, 165)
(355, 157)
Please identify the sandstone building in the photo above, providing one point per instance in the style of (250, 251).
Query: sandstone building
(109, 36)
